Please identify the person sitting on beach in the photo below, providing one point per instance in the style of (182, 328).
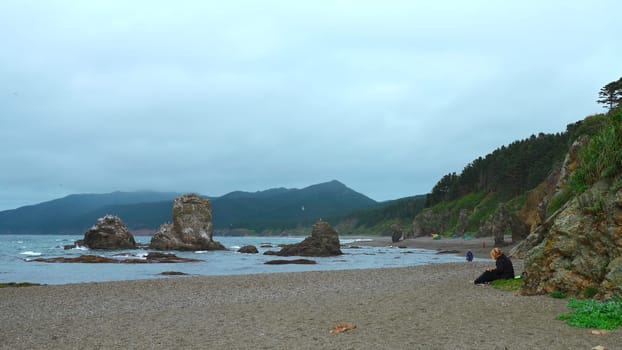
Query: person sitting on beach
(504, 268)
(469, 256)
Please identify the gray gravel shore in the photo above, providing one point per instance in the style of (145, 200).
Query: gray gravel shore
(480, 247)
(424, 307)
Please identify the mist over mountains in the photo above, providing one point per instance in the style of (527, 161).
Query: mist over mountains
(144, 211)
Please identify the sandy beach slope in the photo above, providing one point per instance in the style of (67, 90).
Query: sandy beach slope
(424, 307)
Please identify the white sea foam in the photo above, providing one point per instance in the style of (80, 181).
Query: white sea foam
(235, 247)
(81, 247)
(354, 240)
(31, 253)
(200, 252)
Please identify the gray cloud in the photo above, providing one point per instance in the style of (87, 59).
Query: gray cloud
(215, 97)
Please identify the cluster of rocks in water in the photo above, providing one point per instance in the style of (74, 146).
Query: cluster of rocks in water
(191, 230)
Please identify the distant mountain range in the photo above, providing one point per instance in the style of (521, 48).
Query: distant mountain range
(277, 208)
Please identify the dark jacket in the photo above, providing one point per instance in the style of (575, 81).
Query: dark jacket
(504, 267)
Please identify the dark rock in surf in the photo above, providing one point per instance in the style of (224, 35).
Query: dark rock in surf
(248, 249)
(108, 233)
(295, 261)
(324, 241)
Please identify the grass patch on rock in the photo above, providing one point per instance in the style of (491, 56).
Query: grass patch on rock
(508, 285)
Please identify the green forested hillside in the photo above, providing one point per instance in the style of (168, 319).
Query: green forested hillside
(512, 170)
(509, 170)
(378, 220)
(271, 211)
(504, 176)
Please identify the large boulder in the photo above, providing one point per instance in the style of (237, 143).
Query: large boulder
(324, 241)
(579, 249)
(397, 233)
(108, 232)
(191, 228)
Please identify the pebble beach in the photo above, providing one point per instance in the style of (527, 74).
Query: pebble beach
(422, 307)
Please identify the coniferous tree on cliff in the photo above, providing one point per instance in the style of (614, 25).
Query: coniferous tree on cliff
(611, 94)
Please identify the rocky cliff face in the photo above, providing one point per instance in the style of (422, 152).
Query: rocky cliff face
(428, 222)
(534, 211)
(578, 250)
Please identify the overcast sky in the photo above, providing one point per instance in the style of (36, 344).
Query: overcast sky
(217, 96)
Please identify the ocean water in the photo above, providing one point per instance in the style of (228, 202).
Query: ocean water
(17, 252)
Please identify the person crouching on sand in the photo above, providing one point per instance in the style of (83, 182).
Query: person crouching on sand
(504, 268)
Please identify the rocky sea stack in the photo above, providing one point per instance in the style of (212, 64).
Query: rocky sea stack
(108, 232)
(191, 228)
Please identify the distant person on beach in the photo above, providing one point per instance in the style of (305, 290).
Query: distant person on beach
(469, 256)
(504, 268)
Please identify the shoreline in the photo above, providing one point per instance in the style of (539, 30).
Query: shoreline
(479, 246)
(422, 307)
(453, 249)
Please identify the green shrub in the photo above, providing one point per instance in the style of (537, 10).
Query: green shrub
(591, 125)
(590, 292)
(557, 294)
(590, 313)
(601, 157)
